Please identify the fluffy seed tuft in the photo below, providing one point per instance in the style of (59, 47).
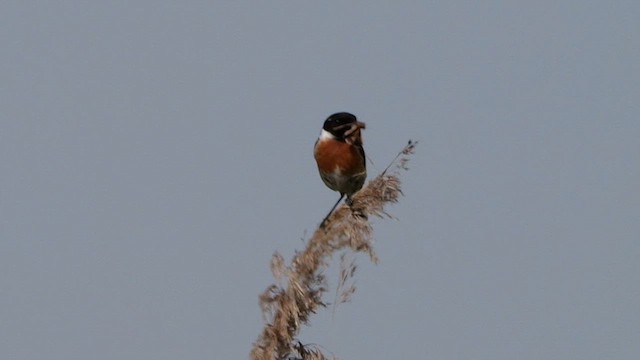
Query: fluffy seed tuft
(288, 306)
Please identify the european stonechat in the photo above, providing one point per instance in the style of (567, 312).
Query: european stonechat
(340, 156)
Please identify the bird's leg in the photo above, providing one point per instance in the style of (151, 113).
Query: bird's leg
(331, 211)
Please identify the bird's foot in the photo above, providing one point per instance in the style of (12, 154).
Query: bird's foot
(348, 201)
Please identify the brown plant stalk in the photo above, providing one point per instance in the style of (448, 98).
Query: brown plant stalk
(302, 284)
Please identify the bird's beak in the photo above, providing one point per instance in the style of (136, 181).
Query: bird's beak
(354, 127)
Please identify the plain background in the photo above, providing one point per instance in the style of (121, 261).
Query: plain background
(154, 154)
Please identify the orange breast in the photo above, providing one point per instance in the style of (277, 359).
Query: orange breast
(337, 156)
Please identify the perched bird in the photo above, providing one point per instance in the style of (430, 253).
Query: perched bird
(340, 156)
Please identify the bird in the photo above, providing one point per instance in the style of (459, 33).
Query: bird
(340, 156)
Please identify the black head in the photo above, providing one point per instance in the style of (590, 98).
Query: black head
(335, 124)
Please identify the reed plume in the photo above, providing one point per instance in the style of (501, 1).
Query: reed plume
(301, 286)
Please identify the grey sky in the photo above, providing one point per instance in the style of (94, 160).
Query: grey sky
(154, 154)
